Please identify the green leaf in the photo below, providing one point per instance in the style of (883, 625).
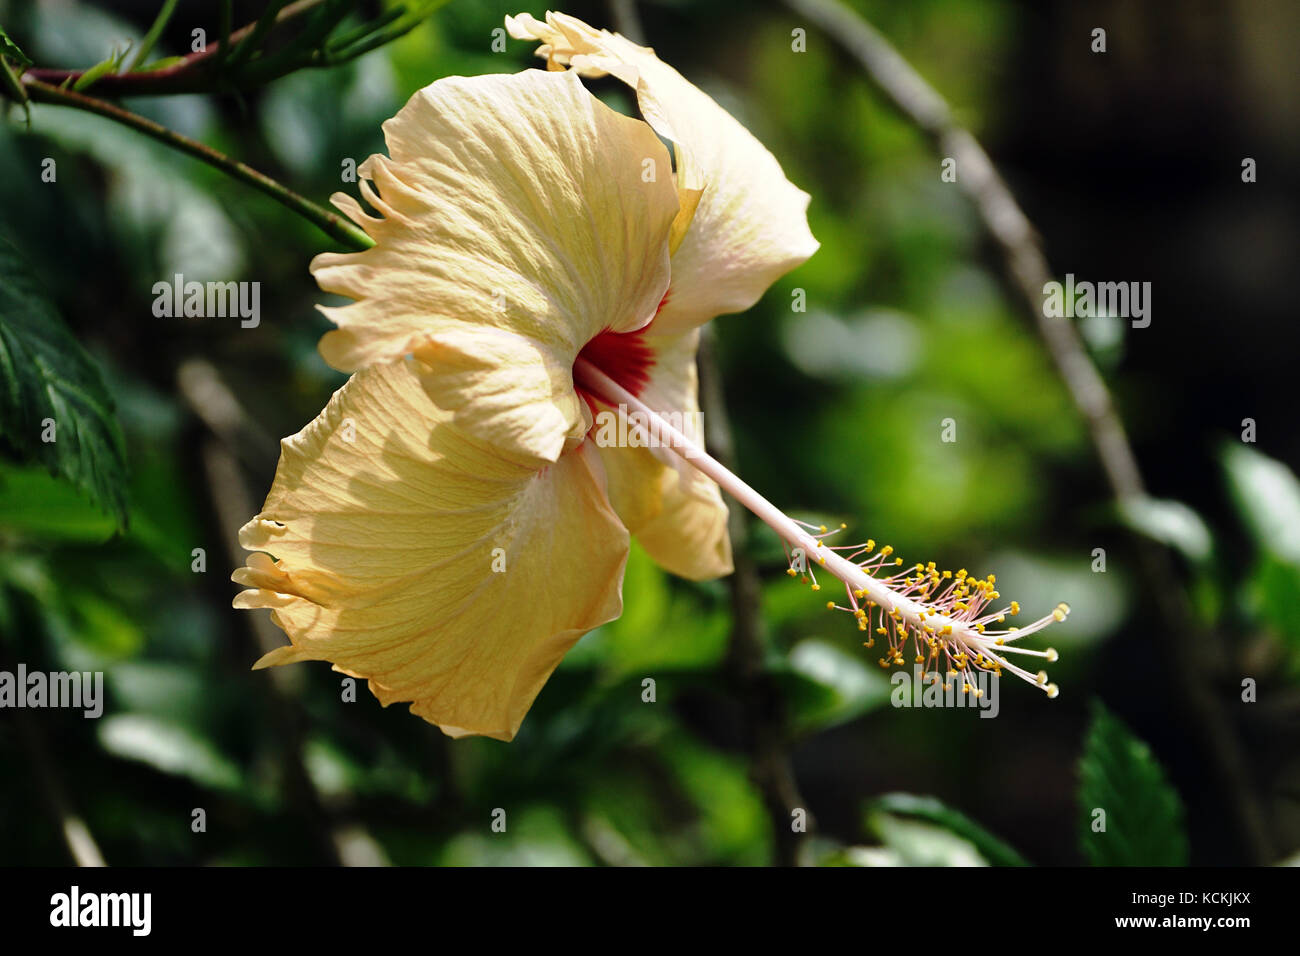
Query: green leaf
(162, 64)
(50, 386)
(1267, 494)
(910, 842)
(169, 747)
(1129, 814)
(9, 49)
(826, 685)
(155, 31)
(732, 824)
(34, 504)
(1171, 523)
(934, 811)
(1274, 593)
(660, 631)
(536, 836)
(102, 68)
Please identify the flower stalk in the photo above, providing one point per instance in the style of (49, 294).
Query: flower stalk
(944, 617)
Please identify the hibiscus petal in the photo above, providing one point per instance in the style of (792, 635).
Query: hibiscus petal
(675, 511)
(750, 226)
(410, 553)
(514, 215)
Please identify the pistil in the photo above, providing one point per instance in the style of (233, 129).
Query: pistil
(943, 615)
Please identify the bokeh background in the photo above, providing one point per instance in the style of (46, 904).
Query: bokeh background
(1129, 165)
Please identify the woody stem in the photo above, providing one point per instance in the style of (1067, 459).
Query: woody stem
(331, 223)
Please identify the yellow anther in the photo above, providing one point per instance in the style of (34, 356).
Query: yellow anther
(1052, 691)
(830, 605)
(791, 571)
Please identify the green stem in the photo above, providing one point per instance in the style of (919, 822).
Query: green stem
(252, 40)
(151, 38)
(329, 222)
(193, 74)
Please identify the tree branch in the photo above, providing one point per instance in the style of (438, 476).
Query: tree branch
(191, 75)
(331, 223)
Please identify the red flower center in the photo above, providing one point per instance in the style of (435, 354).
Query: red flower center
(625, 357)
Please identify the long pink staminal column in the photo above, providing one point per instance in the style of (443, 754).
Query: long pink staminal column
(946, 618)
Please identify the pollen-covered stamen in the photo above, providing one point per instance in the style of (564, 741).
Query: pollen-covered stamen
(941, 617)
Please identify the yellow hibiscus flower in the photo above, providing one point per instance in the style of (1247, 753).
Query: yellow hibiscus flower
(448, 527)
